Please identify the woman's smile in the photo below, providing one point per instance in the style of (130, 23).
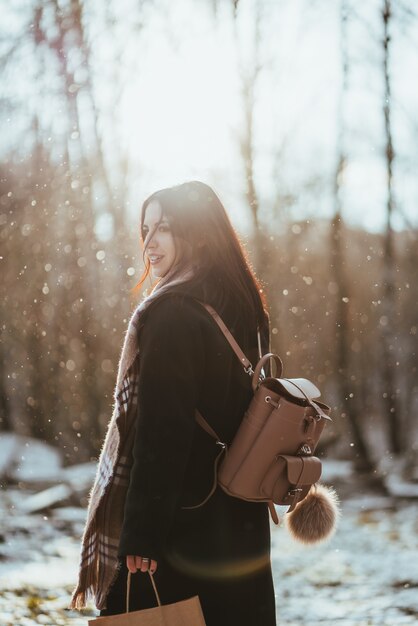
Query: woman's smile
(154, 258)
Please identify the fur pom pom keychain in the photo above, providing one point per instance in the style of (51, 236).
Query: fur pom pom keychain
(315, 518)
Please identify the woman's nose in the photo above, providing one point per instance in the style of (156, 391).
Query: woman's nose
(151, 241)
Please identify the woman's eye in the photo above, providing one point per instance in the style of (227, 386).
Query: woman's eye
(163, 228)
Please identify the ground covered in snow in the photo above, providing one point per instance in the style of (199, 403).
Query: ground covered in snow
(366, 575)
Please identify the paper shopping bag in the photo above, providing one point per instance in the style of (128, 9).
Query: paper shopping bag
(184, 613)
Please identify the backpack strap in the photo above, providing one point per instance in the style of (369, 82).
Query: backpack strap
(246, 363)
(207, 428)
(248, 368)
(203, 423)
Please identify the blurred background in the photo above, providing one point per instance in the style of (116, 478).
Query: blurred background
(303, 116)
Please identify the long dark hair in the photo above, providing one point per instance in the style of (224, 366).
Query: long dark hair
(206, 239)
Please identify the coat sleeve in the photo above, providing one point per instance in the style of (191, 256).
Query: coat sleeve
(171, 360)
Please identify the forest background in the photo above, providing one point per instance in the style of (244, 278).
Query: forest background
(302, 115)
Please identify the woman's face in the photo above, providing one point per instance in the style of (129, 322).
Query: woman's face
(161, 248)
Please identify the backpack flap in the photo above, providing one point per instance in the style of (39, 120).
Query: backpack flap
(298, 474)
(299, 391)
(303, 384)
(293, 388)
(290, 472)
(302, 470)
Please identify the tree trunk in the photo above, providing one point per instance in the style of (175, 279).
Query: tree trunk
(389, 317)
(5, 412)
(342, 321)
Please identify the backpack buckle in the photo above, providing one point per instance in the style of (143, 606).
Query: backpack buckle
(304, 450)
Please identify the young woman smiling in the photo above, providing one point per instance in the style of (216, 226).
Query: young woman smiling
(219, 551)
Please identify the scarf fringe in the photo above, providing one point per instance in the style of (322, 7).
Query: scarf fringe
(87, 580)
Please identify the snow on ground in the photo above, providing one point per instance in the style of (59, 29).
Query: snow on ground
(367, 574)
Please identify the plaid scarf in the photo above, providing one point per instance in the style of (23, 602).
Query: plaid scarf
(99, 561)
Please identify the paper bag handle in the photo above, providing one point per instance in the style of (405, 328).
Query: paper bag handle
(128, 589)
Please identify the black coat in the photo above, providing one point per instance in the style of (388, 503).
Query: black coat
(220, 551)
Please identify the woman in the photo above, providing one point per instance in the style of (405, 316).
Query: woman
(219, 551)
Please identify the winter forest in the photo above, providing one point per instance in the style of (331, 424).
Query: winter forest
(302, 115)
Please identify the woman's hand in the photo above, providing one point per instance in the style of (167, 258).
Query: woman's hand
(140, 563)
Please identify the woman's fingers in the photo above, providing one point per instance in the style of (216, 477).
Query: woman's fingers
(130, 564)
(138, 562)
(143, 564)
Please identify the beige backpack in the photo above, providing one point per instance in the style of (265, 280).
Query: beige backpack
(271, 457)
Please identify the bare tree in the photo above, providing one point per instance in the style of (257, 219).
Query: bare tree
(388, 320)
(249, 76)
(62, 217)
(347, 400)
